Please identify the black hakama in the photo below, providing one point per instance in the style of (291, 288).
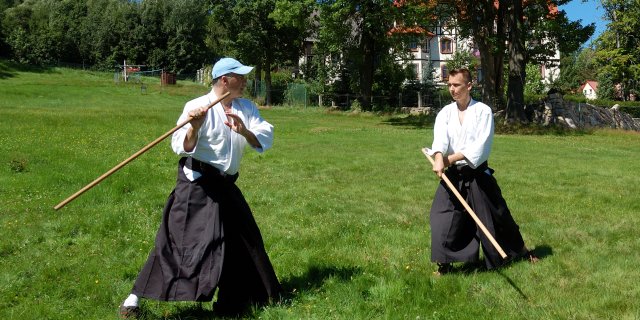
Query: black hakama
(208, 239)
(455, 236)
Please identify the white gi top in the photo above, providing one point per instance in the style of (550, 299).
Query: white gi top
(217, 144)
(473, 138)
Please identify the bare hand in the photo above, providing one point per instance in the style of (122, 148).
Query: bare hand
(197, 117)
(438, 165)
(235, 123)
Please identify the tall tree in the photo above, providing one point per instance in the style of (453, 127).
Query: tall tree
(576, 68)
(517, 62)
(543, 32)
(484, 22)
(264, 33)
(618, 48)
(355, 42)
(529, 31)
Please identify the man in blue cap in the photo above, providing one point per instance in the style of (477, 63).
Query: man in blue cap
(208, 237)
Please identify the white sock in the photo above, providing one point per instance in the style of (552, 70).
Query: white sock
(131, 301)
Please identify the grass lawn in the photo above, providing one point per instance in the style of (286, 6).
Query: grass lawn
(342, 201)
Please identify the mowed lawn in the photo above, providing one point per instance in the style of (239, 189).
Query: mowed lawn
(342, 201)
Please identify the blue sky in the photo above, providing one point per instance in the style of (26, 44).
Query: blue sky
(588, 11)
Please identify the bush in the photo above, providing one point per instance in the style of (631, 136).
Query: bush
(634, 111)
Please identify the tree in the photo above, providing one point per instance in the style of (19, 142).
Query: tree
(517, 63)
(541, 33)
(534, 85)
(618, 48)
(31, 32)
(264, 33)
(463, 59)
(576, 68)
(530, 30)
(484, 22)
(356, 44)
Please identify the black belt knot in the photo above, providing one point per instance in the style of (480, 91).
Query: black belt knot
(467, 171)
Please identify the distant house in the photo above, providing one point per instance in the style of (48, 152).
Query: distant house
(590, 89)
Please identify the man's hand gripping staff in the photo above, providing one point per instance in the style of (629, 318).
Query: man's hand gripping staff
(467, 207)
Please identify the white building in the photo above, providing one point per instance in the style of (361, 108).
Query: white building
(437, 47)
(589, 89)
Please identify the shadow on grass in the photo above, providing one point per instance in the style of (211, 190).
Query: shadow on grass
(541, 252)
(313, 279)
(536, 129)
(412, 121)
(10, 69)
(427, 122)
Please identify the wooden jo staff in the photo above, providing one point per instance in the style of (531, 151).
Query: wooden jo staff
(135, 155)
(468, 208)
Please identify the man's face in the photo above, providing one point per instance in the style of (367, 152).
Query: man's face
(459, 87)
(235, 84)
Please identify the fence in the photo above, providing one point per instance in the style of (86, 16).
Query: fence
(299, 94)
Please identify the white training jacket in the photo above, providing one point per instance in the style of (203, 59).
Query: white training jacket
(217, 144)
(473, 138)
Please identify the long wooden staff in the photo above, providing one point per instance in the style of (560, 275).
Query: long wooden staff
(135, 155)
(469, 210)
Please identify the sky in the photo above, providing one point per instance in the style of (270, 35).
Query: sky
(588, 11)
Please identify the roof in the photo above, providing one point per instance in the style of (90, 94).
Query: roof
(592, 83)
(410, 30)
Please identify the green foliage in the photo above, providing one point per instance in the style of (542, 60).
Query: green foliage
(576, 69)
(633, 110)
(534, 84)
(264, 33)
(463, 59)
(606, 86)
(354, 44)
(279, 83)
(618, 47)
(159, 34)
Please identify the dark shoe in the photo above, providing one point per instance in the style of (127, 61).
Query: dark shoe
(527, 255)
(443, 268)
(531, 256)
(129, 312)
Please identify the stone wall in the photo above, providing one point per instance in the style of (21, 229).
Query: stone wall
(554, 110)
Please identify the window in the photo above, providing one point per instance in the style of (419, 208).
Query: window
(425, 45)
(446, 45)
(444, 72)
(413, 45)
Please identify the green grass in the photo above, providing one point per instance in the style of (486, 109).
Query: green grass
(342, 201)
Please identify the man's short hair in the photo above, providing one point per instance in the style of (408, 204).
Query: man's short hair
(464, 71)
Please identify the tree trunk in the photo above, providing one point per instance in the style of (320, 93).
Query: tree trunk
(267, 79)
(367, 47)
(492, 81)
(517, 71)
(258, 80)
(487, 24)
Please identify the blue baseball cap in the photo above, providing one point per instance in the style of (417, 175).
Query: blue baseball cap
(229, 65)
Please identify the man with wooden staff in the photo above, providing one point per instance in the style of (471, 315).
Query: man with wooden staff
(462, 139)
(208, 237)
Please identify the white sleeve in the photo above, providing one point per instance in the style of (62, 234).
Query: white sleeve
(177, 139)
(478, 151)
(262, 129)
(440, 132)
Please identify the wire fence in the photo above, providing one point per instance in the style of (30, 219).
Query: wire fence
(298, 94)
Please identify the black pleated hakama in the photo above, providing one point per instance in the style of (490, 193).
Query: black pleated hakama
(208, 239)
(455, 236)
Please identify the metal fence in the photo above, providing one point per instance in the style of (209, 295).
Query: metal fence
(299, 94)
